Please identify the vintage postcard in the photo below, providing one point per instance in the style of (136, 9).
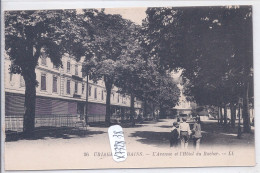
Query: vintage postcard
(138, 87)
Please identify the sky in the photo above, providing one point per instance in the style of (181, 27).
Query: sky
(136, 15)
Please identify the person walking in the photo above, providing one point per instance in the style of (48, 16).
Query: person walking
(118, 116)
(174, 135)
(178, 120)
(196, 134)
(184, 133)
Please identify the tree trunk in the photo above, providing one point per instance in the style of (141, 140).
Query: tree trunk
(145, 107)
(221, 116)
(108, 83)
(30, 101)
(246, 116)
(219, 110)
(132, 109)
(162, 112)
(225, 115)
(86, 108)
(233, 114)
(153, 111)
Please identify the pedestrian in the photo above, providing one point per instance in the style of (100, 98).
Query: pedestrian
(174, 135)
(184, 133)
(118, 116)
(178, 120)
(196, 134)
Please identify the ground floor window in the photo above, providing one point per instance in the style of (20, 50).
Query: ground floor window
(54, 84)
(43, 82)
(68, 86)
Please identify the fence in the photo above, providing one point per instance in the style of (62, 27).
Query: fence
(96, 118)
(14, 123)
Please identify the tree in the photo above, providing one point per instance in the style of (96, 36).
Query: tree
(110, 38)
(130, 69)
(213, 45)
(27, 35)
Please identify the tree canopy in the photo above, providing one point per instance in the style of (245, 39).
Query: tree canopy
(28, 35)
(213, 46)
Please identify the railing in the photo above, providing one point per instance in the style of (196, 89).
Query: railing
(14, 123)
(92, 118)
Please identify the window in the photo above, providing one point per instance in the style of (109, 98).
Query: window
(55, 67)
(76, 70)
(22, 83)
(11, 76)
(102, 95)
(68, 66)
(118, 98)
(76, 87)
(89, 90)
(43, 82)
(68, 86)
(83, 87)
(90, 77)
(54, 84)
(95, 93)
(43, 59)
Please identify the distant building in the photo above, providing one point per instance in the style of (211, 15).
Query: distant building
(61, 91)
(184, 106)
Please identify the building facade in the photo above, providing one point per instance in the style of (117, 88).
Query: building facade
(62, 90)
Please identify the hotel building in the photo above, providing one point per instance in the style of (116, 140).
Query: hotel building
(62, 91)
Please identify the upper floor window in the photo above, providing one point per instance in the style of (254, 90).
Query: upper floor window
(43, 82)
(76, 87)
(68, 66)
(55, 66)
(90, 76)
(89, 90)
(102, 95)
(43, 59)
(83, 87)
(22, 83)
(76, 70)
(68, 86)
(95, 93)
(118, 98)
(54, 84)
(11, 76)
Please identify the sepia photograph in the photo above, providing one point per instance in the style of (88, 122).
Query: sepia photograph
(104, 88)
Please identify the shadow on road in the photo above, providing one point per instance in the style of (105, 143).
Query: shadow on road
(152, 138)
(48, 132)
(165, 126)
(213, 135)
(152, 122)
(217, 135)
(123, 125)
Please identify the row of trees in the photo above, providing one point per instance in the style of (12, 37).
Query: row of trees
(213, 46)
(111, 45)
